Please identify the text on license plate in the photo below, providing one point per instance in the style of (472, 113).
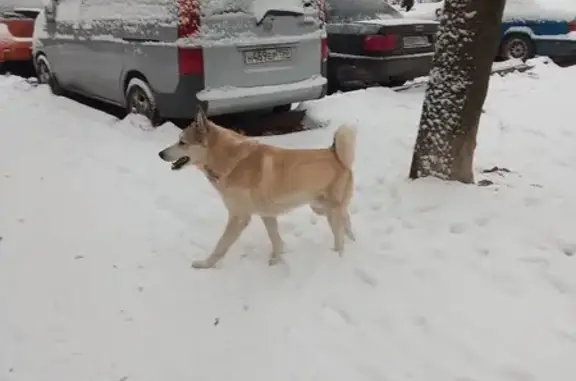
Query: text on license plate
(415, 41)
(261, 56)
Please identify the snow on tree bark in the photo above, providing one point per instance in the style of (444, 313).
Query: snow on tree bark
(466, 45)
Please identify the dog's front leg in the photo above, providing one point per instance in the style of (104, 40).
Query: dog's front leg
(271, 224)
(234, 227)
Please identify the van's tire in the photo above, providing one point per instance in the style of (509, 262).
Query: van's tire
(46, 76)
(140, 100)
(517, 46)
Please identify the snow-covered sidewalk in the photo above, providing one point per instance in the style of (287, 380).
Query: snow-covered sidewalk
(447, 282)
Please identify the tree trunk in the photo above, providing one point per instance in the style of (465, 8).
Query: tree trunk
(466, 46)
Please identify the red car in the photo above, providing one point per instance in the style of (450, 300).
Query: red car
(16, 29)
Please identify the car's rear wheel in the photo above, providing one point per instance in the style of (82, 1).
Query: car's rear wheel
(140, 100)
(517, 46)
(46, 76)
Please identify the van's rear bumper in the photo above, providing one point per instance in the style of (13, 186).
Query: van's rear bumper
(237, 99)
(348, 70)
(182, 103)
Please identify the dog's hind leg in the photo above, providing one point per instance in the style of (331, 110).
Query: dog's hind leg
(348, 227)
(337, 220)
(234, 227)
(271, 224)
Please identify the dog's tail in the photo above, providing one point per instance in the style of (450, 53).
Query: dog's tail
(345, 145)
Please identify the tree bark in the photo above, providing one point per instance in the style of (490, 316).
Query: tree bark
(466, 45)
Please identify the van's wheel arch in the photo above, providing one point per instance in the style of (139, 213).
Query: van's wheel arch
(139, 99)
(46, 75)
(517, 46)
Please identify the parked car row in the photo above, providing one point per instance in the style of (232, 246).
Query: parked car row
(529, 27)
(161, 58)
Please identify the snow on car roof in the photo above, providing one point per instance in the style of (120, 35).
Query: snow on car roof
(257, 7)
(129, 9)
(515, 10)
(27, 9)
(540, 9)
(164, 9)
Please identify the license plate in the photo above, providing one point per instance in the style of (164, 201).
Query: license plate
(261, 56)
(415, 41)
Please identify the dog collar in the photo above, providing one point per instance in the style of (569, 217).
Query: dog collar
(210, 174)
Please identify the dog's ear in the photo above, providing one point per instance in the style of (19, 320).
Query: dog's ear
(201, 126)
(202, 120)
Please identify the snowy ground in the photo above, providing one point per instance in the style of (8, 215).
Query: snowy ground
(446, 281)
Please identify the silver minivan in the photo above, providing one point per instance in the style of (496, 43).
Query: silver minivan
(162, 58)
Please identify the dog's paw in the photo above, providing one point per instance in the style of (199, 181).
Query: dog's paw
(274, 260)
(339, 250)
(202, 264)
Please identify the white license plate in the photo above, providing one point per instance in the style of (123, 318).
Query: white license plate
(415, 41)
(260, 56)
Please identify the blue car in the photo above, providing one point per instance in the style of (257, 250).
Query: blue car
(525, 38)
(529, 27)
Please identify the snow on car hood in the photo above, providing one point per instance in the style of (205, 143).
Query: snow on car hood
(399, 21)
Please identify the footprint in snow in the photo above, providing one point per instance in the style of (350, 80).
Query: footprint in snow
(365, 277)
(337, 316)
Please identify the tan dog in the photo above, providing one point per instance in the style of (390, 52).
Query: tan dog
(254, 178)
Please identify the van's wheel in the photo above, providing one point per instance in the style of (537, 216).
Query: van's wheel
(517, 46)
(140, 100)
(46, 76)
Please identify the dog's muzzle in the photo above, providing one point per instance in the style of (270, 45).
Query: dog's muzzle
(179, 163)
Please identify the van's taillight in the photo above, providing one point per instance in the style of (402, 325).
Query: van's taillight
(572, 26)
(190, 61)
(380, 43)
(188, 18)
(324, 48)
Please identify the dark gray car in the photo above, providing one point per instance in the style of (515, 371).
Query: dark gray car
(162, 58)
(372, 43)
